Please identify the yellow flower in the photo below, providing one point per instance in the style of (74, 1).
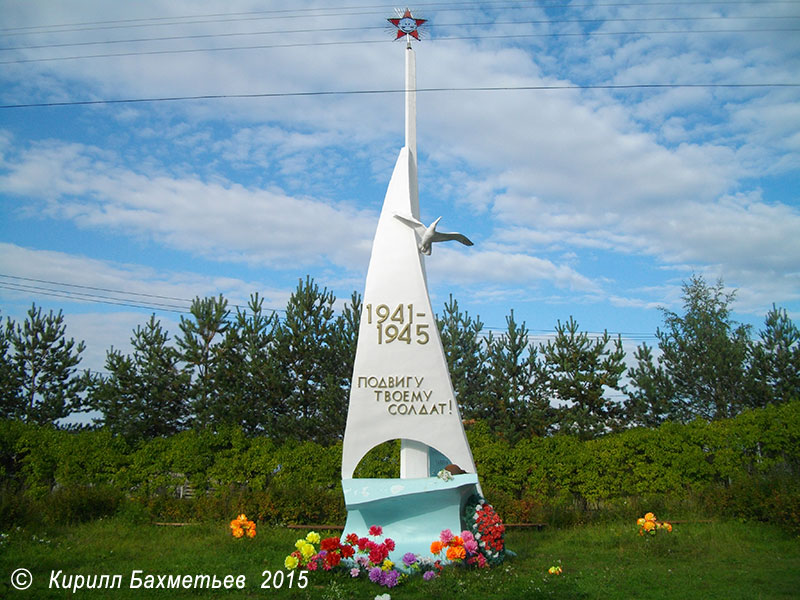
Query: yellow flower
(649, 525)
(668, 527)
(387, 565)
(312, 537)
(291, 562)
(649, 517)
(300, 543)
(307, 551)
(640, 522)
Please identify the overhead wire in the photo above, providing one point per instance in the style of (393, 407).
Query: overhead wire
(619, 87)
(385, 41)
(432, 26)
(128, 298)
(73, 291)
(364, 10)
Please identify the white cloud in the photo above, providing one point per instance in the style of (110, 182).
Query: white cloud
(217, 220)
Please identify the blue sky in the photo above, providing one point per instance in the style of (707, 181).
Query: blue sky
(587, 199)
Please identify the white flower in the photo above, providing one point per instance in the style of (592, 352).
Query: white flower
(383, 597)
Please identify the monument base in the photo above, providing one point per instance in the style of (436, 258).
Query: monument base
(412, 512)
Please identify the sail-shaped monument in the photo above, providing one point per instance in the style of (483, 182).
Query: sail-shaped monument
(401, 387)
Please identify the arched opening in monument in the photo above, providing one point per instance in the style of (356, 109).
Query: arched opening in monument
(383, 461)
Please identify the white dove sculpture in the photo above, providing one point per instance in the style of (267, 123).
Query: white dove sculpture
(428, 235)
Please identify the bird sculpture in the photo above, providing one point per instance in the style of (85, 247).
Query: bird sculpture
(428, 235)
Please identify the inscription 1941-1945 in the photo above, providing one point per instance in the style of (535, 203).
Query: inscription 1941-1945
(397, 323)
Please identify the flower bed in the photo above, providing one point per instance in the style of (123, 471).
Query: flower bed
(481, 546)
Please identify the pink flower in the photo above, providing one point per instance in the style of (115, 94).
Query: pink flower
(376, 530)
(467, 536)
(446, 536)
(471, 546)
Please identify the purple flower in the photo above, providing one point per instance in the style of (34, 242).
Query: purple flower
(409, 559)
(428, 575)
(375, 574)
(390, 578)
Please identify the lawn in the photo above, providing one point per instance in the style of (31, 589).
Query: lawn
(727, 560)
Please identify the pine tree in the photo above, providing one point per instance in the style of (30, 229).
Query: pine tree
(579, 372)
(11, 405)
(145, 395)
(44, 363)
(648, 401)
(775, 367)
(199, 345)
(312, 365)
(465, 350)
(516, 405)
(704, 354)
(248, 379)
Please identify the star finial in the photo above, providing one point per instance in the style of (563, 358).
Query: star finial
(407, 25)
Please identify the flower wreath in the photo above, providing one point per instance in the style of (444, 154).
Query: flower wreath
(487, 528)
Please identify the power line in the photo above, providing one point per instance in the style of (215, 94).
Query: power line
(432, 26)
(385, 41)
(350, 11)
(74, 291)
(130, 299)
(618, 87)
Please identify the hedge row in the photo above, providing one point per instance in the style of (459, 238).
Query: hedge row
(747, 466)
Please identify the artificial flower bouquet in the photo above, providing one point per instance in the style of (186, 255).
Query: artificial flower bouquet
(242, 527)
(650, 525)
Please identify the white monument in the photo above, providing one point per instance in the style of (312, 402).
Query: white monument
(401, 386)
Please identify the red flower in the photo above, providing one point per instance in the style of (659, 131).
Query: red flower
(332, 559)
(389, 543)
(347, 551)
(351, 539)
(363, 544)
(329, 544)
(376, 530)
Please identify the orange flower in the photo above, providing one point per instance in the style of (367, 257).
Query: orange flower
(649, 517)
(456, 541)
(456, 553)
(436, 547)
(238, 532)
(251, 531)
(649, 525)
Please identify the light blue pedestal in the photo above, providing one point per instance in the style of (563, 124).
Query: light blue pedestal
(412, 512)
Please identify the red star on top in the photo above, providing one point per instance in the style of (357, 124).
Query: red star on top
(407, 25)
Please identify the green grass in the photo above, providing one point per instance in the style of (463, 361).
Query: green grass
(729, 560)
